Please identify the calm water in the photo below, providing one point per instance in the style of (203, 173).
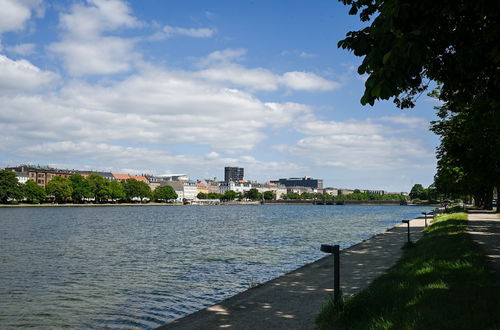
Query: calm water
(141, 267)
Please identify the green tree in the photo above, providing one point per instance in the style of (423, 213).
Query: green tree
(98, 187)
(229, 195)
(116, 190)
(468, 157)
(33, 192)
(60, 188)
(292, 195)
(417, 191)
(202, 195)
(136, 189)
(306, 195)
(408, 44)
(214, 195)
(9, 186)
(165, 194)
(81, 188)
(269, 195)
(253, 194)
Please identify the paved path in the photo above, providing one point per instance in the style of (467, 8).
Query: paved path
(293, 300)
(485, 230)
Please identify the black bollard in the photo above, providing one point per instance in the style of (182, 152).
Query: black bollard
(425, 214)
(408, 223)
(335, 250)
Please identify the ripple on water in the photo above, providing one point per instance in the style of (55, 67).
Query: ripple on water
(140, 267)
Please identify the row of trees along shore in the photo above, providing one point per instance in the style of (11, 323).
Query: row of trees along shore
(450, 49)
(78, 189)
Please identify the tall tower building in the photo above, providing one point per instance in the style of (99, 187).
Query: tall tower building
(233, 174)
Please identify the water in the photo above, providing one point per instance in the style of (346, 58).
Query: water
(141, 267)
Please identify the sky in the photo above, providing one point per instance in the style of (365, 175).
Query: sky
(190, 87)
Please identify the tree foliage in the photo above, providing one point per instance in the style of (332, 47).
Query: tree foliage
(81, 188)
(98, 187)
(269, 195)
(468, 156)
(229, 195)
(33, 192)
(136, 189)
(60, 188)
(253, 194)
(417, 191)
(116, 190)
(9, 186)
(165, 194)
(408, 44)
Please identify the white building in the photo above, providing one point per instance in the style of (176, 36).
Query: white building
(184, 190)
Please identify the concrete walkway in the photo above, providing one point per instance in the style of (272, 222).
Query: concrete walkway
(293, 300)
(485, 230)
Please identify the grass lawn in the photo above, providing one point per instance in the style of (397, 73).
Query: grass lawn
(443, 282)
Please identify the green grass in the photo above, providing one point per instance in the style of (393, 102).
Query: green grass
(443, 282)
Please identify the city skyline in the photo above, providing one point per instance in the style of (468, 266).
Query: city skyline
(147, 87)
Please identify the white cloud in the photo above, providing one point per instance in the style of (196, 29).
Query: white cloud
(170, 31)
(224, 56)
(85, 49)
(15, 13)
(220, 67)
(355, 144)
(307, 81)
(255, 79)
(160, 107)
(306, 55)
(22, 49)
(312, 126)
(411, 122)
(102, 55)
(97, 17)
(145, 160)
(21, 75)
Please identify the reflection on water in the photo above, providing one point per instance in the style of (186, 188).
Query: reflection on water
(123, 267)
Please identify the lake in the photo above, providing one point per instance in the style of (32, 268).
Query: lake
(143, 266)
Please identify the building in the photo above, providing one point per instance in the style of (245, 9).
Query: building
(345, 191)
(375, 192)
(85, 174)
(233, 174)
(21, 172)
(301, 182)
(123, 177)
(186, 191)
(173, 177)
(202, 187)
(40, 174)
(331, 191)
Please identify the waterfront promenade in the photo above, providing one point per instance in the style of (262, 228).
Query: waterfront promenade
(293, 300)
(485, 230)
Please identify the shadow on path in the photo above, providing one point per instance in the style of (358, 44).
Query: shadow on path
(485, 230)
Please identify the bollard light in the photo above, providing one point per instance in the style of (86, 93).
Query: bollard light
(408, 223)
(425, 215)
(335, 250)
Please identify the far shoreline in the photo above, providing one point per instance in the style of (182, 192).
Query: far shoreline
(360, 203)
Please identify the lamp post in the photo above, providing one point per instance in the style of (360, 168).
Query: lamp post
(335, 250)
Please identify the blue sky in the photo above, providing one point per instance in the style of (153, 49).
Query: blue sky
(193, 86)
